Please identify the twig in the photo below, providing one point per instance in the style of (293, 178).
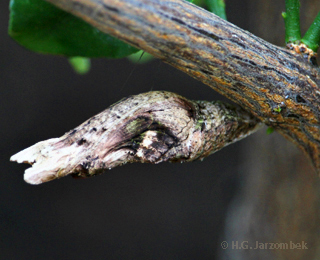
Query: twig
(312, 36)
(292, 21)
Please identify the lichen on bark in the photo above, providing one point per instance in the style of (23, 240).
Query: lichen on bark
(151, 127)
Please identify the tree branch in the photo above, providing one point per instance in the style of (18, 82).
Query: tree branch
(278, 86)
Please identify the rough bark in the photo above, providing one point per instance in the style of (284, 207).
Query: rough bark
(279, 197)
(278, 86)
(150, 128)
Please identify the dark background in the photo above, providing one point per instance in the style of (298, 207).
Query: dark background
(138, 211)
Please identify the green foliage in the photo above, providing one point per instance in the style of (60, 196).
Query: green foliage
(270, 130)
(292, 24)
(80, 65)
(292, 21)
(41, 27)
(44, 28)
(312, 36)
(198, 2)
(140, 57)
(217, 7)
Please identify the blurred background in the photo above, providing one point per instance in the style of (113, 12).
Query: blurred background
(259, 189)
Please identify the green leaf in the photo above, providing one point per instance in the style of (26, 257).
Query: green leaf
(199, 2)
(217, 7)
(80, 65)
(270, 130)
(140, 57)
(41, 27)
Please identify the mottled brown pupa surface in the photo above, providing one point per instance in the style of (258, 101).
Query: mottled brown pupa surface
(150, 128)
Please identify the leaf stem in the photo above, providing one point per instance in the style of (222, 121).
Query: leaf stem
(292, 21)
(312, 36)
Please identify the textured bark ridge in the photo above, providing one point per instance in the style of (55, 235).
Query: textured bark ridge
(278, 86)
(150, 128)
